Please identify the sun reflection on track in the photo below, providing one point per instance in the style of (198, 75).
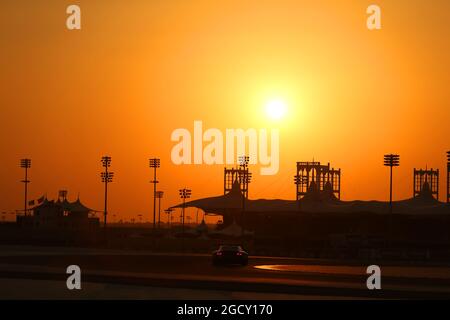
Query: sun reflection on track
(353, 270)
(389, 271)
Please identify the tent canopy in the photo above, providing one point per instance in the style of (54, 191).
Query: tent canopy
(230, 201)
(317, 201)
(75, 206)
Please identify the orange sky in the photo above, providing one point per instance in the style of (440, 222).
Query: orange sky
(139, 69)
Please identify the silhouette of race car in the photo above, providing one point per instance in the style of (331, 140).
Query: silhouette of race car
(230, 254)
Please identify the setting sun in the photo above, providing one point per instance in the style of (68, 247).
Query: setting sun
(275, 109)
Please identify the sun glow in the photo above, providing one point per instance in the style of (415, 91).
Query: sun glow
(276, 109)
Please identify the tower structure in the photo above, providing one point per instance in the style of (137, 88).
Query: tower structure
(309, 173)
(427, 178)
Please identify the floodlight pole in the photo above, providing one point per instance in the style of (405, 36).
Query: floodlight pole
(159, 212)
(107, 177)
(299, 180)
(184, 194)
(26, 191)
(159, 195)
(448, 176)
(154, 198)
(391, 160)
(243, 162)
(390, 190)
(184, 213)
(154, 163)
(106, 198)
(169, 216)
(26, 164)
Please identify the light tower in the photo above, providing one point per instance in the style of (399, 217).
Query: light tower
(159, 195)
(245, 178)
(107, 177)
(391, 160)
(426, 178)
(169, 215)
(448, 176)
(184, 194)
(321, 175)
(154, 163)
(25, 164)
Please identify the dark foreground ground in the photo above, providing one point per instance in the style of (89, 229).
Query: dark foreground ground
(40, 273)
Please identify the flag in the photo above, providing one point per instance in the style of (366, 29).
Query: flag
(41, 199)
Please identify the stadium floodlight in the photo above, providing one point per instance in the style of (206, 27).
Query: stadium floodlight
(245, 178)
(159, 196)
(154, 163)
(169, 215)
(107, 177)
(243, 161)
(184, 194)
(106, 161)
(391, 160)
(448, 176)
(25, 164)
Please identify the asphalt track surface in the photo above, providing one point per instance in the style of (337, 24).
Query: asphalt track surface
(271, 275)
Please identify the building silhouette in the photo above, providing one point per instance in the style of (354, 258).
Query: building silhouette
(427, 178)
(60, 214)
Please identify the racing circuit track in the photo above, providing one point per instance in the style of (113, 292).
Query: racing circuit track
(267, 277)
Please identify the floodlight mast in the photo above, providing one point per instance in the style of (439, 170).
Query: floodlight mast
(448, 176)
(154, 163)
(107, 177)
(245, 177)
(169, 216)
(25, 164)
(159, 196)
(391, 160)
(184, 194)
